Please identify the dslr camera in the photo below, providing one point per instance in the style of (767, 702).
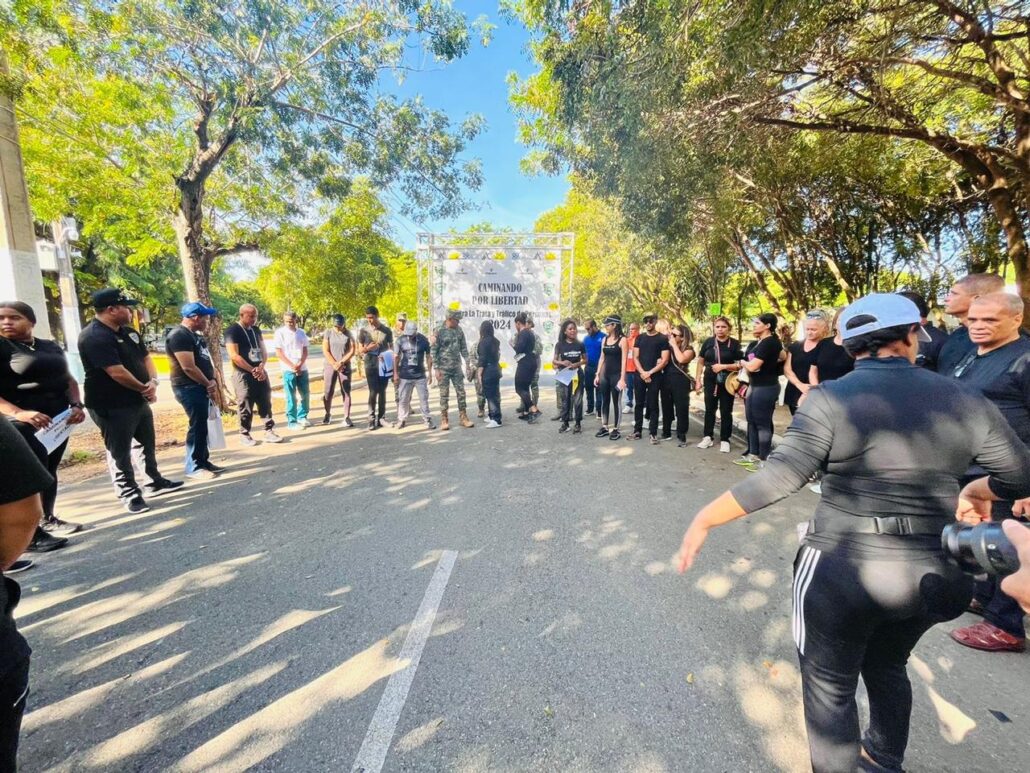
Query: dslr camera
(980, 549)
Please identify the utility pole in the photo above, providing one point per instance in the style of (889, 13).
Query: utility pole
(66, 230)
(20, 276)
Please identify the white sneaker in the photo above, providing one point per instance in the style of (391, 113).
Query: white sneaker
(706, 442)
(816, 487)
(271, 437)
(627, 409)
(491, 424)
(724, 446)
(201, 474)
(304, 423)
(247, 441)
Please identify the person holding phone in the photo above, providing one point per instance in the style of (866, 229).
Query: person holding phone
(718, 358)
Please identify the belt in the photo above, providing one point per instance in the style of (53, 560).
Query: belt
(895, 525)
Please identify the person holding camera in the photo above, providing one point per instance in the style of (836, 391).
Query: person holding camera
(718, 358)
(871, 576)
(998, 368)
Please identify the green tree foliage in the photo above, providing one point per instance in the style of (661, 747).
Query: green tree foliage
(341, 265)
(833, 147)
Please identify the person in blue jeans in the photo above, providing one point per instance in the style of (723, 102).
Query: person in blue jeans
(194, 384)
(291, 347)
(592, 342)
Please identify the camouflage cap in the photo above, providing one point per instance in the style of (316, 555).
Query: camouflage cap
(454, 314)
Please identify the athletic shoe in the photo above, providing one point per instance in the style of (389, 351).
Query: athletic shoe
(654, 440)
(666, 437)
(57, 527)
(491, 424)
(20, 566)
(634, 436)
(294, 426)
(724, 446)
(614, 434)
(627, 409)
(532, 418)
(681, 444)
(271, 437)
(577, 428)
(347, 422)
(755, 466)
(304, 423)
(326, 419)
(379, 423)
(706, 442)
(162, 486)
(372, 426)
(601, 432)
(745, 460)
(564, 427)
(44, 543)
(201, 474)
(816, 488)
(481, 413)
(429, 424)
(137, 505)
(213, 468)
(247, 441)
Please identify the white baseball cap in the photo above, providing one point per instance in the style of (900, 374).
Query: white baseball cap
(877, 311)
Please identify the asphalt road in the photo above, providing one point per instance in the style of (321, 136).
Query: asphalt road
(258, 621)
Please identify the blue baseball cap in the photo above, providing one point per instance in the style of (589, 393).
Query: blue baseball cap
(877, 311)
(197, 309)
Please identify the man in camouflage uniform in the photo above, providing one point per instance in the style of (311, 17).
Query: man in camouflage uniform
(449, 350)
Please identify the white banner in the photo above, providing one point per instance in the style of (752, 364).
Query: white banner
(492, 283)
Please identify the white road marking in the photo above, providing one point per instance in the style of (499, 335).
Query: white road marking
(372, 754)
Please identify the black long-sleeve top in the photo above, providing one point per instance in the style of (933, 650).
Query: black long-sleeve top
(524, 343)
(892, 439)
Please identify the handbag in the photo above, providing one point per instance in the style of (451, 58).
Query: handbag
(215, 430)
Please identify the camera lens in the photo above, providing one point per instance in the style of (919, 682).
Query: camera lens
(980, 549)
(957, 545)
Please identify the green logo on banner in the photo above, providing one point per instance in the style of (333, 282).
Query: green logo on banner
(714, 309)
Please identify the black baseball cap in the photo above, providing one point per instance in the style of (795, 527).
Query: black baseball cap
(111, 296)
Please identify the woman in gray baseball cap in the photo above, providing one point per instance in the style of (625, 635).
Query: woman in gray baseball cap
(870, 577)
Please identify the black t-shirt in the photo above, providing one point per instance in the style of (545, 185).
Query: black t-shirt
(833, 361)
(768, 351)
(650, 348)
(800, 361)
(23, 477)
(411, 356)
(248, 340)
(101, 347)
(954, 350)
(34, 377)
(1003, 377)
(930, 351)
(382, 335)
(573, 351)
(184, 340)
(729, 352)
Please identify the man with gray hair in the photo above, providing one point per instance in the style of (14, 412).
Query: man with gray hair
(414, 362)
(956, 303)
(998, 368)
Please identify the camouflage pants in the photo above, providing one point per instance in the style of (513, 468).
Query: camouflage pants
(480, 397)
(458, 378)
(534, 388)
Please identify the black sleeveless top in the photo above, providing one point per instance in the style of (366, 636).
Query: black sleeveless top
(612, 357)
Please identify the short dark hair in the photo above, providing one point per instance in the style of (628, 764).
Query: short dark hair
(22, 308)
(918, 300)
(871, 343)
(372, 310)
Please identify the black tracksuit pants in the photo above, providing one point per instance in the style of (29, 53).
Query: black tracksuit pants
(858, 616)
(718, 397)
(646, 396)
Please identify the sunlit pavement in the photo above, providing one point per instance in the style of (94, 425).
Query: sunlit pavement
(274, 618)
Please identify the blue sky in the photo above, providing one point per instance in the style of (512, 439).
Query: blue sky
(476, 84)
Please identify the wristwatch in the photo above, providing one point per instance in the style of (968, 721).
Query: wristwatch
(80, 406)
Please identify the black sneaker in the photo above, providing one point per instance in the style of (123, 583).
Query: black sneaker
(372, 426)
(564, 427)
(614, 435)
(601, 432)
(347, 422)
(213, 468)
(20, 566)
(681, 444)
(532, 417)
(44, 543)
(137, 505)
(59, 528)
(666, 437)
(326, 419)
(162, 486)
(577, 428)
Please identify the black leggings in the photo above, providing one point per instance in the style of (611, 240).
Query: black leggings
(717, 397)
(376, 392)
(858, 616)
(51, 461)
(677, 387)
(524, 373)
(611, 398)
(758, 410)
(570, 400)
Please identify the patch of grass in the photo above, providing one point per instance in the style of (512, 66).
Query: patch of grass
(79, 457)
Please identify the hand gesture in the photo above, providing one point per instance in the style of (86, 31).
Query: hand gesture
(972, 511)
(37, 419)
(691, 547)
(150, 393)
(212, 389)
(622, 385)
(77, 416)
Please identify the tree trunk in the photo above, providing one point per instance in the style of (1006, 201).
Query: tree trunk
(738, 247)
(196, 262)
